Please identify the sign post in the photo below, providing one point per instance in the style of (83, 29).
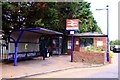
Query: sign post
(72, 25)
(72, 45)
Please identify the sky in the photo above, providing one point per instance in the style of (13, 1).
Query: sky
(101, 16)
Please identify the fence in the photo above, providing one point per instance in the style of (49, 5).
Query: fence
(3, 51)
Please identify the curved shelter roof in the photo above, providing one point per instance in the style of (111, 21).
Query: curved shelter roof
(30, 34)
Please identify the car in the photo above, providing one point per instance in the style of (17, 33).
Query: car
(116, 48)
(112, 47)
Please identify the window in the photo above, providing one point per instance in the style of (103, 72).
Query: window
(69, 44)
(86, 42)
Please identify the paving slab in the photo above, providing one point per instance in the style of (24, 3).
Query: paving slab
(39, 66)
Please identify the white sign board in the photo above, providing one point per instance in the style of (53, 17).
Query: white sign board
(99, 43)
(71, 32)
(77, 42)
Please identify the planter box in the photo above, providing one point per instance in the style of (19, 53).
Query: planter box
(89, 57)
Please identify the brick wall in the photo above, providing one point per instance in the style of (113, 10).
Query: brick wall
(89, 57)
(103, 39)
(68, 50)
(76, 44)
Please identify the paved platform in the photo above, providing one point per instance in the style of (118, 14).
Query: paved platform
(39, 66)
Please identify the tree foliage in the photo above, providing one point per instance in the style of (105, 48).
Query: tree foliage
(115, 42)
(52, 15)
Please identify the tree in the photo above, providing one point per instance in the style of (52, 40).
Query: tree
(53, 15)
(115, 42)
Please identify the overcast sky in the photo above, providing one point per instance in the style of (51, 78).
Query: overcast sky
(101, 16)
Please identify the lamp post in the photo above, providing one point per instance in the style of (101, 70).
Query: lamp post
(107, 9)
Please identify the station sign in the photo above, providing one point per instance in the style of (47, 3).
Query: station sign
(72, 24)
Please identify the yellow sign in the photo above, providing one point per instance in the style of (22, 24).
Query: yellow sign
(26, 46)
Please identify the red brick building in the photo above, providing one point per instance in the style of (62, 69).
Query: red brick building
(88, 39)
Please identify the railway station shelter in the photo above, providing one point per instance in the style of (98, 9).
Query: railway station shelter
(32, 42)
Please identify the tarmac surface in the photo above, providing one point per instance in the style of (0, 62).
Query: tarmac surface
(38, 66)
(106, 71)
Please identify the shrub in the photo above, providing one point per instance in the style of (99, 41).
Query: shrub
(93, 49)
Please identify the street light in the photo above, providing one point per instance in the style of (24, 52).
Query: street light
(107, 9)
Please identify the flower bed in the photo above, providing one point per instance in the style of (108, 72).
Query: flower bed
(93, 49)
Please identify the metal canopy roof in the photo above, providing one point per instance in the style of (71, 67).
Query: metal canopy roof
(39, 30)
(30, 34)
(90, 34)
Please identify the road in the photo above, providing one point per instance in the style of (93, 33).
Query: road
(106, 71)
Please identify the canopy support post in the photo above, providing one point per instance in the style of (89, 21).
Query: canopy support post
(16, 48)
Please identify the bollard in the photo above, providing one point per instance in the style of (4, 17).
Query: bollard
(110, 57)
